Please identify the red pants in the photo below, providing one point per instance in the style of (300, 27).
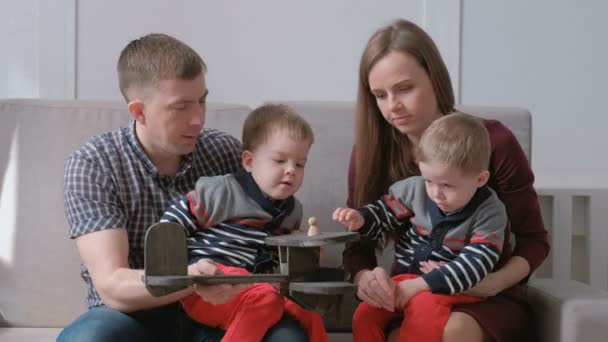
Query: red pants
(424, 317)
(248, 315)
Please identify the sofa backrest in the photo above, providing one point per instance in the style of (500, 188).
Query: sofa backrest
(325, 181)
(40, 284)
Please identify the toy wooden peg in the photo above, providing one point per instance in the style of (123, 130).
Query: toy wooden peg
(313, 229)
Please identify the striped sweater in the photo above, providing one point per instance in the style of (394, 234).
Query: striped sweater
(227, 218)
(470, 241)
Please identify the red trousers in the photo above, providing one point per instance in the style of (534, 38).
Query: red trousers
(424, 317)
(248, 315)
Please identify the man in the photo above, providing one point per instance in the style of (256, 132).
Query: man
(120, 182)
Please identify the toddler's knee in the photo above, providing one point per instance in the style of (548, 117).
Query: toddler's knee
(363, 316)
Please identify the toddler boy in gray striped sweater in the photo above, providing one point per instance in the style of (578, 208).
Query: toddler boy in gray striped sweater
(449, 226)
(227, 219)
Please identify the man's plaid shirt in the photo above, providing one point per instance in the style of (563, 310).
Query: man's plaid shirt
(111, 182)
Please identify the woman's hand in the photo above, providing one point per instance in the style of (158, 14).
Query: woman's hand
(214, 294)
(376, 288)
(487, 287)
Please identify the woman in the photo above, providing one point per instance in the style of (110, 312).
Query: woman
(403, 86)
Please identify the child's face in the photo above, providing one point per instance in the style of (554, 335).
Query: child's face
(277, 165)
(448, 187)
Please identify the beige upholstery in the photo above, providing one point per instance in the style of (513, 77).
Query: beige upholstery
(40, 286)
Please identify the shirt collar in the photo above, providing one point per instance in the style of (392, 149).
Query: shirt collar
(138, 149)
(274, 208)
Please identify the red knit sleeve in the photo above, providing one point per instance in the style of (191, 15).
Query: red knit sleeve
(513, 181)
(358, 255)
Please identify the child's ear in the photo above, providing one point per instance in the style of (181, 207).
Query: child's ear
(247, 160)
(483, 178)
(136, 108)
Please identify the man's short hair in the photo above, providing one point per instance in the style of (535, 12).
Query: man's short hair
(153, 58)
(456, 140)
(265, 120)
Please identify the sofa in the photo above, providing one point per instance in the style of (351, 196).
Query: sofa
(40, 287)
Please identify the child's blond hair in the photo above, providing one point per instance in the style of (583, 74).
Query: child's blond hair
(456, 140)
(153, 58)
(267, 119)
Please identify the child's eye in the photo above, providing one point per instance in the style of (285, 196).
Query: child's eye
(300, 165)
(279, 161)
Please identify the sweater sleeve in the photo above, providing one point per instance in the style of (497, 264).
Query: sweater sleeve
(478, 257)
(384, 217)
(513, 181)
(202, 207)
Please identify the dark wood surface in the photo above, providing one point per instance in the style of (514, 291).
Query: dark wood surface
(165, 254)
(303, 240)
(323, 288)
(214, 279)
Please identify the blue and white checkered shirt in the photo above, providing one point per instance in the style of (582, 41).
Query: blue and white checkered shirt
(111, 182)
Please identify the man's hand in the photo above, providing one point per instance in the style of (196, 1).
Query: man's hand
(351, 218)
(376, 288)
(408, 289)
(214, 294)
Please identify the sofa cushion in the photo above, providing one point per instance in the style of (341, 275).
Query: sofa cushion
(40, 283)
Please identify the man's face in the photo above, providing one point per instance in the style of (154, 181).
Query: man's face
(174, 114)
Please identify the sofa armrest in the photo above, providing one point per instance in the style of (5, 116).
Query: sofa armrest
(568, 311)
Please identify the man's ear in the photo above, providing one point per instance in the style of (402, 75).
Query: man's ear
(247, 160)
(136, 108)
(483, 178)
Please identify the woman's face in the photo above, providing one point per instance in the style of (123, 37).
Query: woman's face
(404, 94)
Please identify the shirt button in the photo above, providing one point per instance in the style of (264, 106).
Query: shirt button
(435, 244)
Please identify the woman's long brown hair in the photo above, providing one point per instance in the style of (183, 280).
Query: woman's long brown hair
(383, 155)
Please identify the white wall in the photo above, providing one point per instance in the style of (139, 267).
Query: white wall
(17, 60)
(544, 55)
(255, 50)
(37, 48)
(549, 56)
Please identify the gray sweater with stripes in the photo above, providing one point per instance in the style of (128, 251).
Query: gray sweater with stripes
(227, 219)
(469, 241)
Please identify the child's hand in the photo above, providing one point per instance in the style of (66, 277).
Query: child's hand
(428, 266)
(407, 289)
(351, 218)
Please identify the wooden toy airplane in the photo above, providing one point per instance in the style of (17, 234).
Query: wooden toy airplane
(166, 264)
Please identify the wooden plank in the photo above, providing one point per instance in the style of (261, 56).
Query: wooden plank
(165, 254)
(303, 240)
(323, 288)
(562, 236)
(168, 281)
(598, 238)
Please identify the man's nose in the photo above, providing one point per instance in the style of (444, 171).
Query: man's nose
(198, 117)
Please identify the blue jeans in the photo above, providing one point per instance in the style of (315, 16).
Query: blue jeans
(167, 323)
